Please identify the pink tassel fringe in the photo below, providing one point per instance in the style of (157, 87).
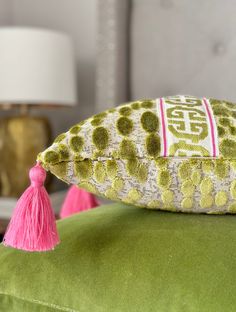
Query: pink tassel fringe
(77, 200)
(33, 226)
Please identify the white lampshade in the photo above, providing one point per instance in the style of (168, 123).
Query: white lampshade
(37, 66)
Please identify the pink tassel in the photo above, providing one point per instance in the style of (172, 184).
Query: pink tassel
(32, 226)
(77, 200)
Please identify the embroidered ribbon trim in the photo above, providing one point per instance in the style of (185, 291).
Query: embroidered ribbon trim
(213, 128)
(187, 127)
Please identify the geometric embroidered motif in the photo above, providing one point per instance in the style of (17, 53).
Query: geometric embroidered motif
(187, 127)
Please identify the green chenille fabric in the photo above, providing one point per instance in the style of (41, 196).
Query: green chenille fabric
(117, 258)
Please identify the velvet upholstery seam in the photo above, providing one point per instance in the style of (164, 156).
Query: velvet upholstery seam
(38, 302)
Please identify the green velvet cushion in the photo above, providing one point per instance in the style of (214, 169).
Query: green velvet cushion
(120, 258)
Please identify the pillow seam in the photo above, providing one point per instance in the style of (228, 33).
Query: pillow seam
(46, 165)
(39, 302)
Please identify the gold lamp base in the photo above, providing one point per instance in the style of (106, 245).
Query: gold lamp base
(21, 139)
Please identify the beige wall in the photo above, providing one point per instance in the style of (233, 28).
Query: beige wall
(78, 19)
(5, 12)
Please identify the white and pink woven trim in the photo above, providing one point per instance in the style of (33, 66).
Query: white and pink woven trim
(213, 128)
(163, 128)
(186, 120)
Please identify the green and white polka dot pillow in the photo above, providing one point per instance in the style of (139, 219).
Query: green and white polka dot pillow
(175, 153)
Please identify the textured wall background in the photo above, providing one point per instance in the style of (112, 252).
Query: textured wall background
(78, 19)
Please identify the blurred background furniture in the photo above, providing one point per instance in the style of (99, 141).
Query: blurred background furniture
(76, 20)
(37, 70)
(153, 48)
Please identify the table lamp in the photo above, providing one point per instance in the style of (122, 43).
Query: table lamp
(37, 69)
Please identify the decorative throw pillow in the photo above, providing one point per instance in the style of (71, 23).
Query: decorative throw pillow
(174, 153)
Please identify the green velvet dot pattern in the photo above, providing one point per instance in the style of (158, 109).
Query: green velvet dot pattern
(76, 143)
(125, 111)
(100, 137)
(135, 105)
(84, 169)
(153, 145)
(51, 157)
(117, 154)
(149, 122)
(64, 153)
(124, 125)
(75, 129)
(60, 138)
(127, 149)
(99, 172)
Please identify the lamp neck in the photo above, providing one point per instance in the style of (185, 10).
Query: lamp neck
(24, 109)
